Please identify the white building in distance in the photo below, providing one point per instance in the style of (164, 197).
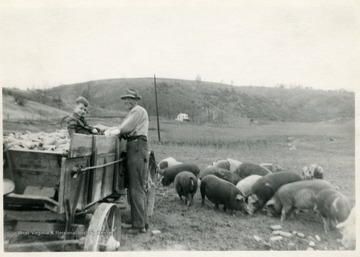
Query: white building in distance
(182, 117)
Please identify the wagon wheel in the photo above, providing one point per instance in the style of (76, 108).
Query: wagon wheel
(104, 229)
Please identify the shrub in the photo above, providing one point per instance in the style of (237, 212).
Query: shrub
(20, 100)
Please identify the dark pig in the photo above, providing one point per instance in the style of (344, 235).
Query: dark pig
(265, 188)
(333, 206)
(219, 191)
(297, 195)
(220, 173)
(186, 185)
(246, 169)
(171, 172)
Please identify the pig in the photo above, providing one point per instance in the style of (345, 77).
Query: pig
(247, 169)
(348, 231)
(297, 195)
(219, 191)
(170, 173)
(207, 171)
(222, 164)
(220, 173)
(265, 188)
(186, 185)
(234, 164)
(333, 206)
(272, 167)
(246, 184)
(167, 162)
(314, 171)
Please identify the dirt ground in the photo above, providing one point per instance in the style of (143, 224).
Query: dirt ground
(203, 228)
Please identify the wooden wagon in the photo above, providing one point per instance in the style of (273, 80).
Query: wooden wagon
(77, 196)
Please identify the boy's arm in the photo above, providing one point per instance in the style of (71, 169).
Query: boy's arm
(72, 127)
(92, 128)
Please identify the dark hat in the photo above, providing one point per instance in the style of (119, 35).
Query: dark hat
(131, 93)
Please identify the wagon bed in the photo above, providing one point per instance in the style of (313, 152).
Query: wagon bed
(78, 192)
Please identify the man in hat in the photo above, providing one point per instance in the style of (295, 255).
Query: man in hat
(135, 129)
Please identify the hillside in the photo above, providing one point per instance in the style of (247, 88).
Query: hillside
(205, 101)
(29, 110)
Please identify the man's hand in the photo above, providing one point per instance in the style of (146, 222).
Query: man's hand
(101, 127)
(112, 132)
(125, 136)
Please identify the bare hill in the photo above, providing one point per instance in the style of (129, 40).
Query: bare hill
(29, 110)
(205, 101)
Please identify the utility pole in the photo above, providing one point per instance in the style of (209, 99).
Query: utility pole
(157, 110)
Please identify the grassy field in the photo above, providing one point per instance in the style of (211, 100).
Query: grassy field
(292, 145)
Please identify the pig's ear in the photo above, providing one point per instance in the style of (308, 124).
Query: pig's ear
(270, 202)
(239, 197)
(253, 198)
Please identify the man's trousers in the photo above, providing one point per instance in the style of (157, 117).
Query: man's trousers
(137, 168)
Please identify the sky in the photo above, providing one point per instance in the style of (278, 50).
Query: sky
(263, 43)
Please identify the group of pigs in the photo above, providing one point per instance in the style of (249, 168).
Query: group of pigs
(250, 187)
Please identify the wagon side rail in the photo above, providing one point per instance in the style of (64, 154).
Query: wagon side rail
(91, 179)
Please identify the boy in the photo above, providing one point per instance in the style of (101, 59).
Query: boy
(76, 121)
